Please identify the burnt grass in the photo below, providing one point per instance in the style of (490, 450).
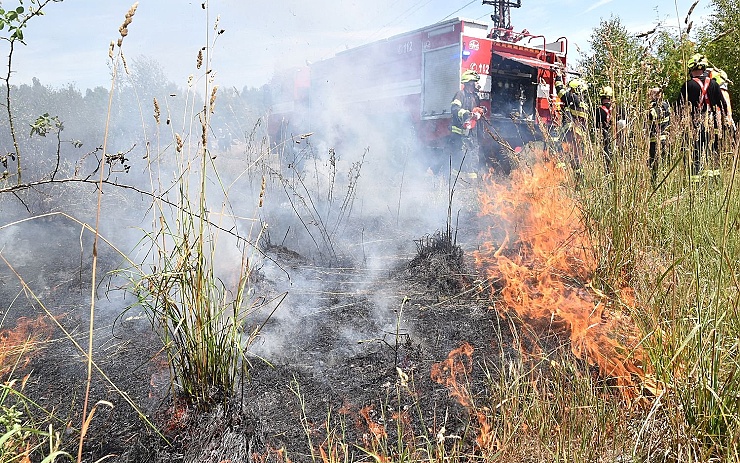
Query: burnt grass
(330, 367)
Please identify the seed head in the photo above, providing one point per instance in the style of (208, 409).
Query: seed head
(123, 60)
(262, 191)
(203, 130)
(212, 104)
(123, 30)
(156, 110)
(178, 143)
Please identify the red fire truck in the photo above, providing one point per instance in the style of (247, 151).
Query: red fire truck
(400, 88)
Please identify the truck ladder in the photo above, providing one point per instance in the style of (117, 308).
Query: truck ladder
(501, 16)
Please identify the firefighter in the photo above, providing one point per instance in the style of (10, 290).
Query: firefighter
(704, 97)
(603, 118)
(726, 125)
(659, 119)
(724, 83)
(466, 111)
(574, 111)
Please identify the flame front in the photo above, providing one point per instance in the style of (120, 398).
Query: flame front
(453, 373)
(539, 260)
(20, 344)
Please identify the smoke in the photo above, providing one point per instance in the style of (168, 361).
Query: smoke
(326, 219)
(327, 316)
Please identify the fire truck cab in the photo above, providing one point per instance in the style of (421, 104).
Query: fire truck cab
(401, 88)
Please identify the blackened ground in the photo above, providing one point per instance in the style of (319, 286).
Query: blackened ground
(334, 349)
(325, 379)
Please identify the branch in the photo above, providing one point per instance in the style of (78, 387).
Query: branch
(14, 189)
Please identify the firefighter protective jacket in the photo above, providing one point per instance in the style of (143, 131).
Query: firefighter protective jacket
(604, 120)
(574, 108)
(462, 104)
(704, 94)
(660, 119)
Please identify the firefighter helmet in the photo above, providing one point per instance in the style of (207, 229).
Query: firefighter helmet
(606, 92)
(716, 74)
(697, 61)
(469, 76)
(578, 85)
(720, 76)
(724, 77)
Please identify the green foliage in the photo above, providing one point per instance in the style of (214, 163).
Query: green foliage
(45, 124)
(13, 20)
(668, 63)
(20, 435)
(616, 59)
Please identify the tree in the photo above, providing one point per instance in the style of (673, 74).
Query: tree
(667, 61)
(615, 60)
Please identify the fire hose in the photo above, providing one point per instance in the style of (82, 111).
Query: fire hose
(493, 133)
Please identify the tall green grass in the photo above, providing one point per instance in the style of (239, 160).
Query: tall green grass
(675, 242)
(201, 321)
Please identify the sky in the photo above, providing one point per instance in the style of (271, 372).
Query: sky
(69, 44)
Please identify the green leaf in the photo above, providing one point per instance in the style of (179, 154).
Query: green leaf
(20, 10)
(14, 430)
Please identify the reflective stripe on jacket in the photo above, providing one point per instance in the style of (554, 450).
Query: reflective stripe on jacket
(462, 104)
(660, 119)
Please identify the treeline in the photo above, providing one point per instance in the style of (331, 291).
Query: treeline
(71, 124)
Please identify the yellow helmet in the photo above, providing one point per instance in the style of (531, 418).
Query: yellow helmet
(579, 85)
(606, 92)
(697, 61)
(726, 79)
(716, 74)
(720, 76)
(469, 76)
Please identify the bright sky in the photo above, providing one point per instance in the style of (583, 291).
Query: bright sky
(70, 43)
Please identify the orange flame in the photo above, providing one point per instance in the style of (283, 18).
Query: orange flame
(485, 439)
(377, 430)
(20, 344)
(452, 372)
(539, 258)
